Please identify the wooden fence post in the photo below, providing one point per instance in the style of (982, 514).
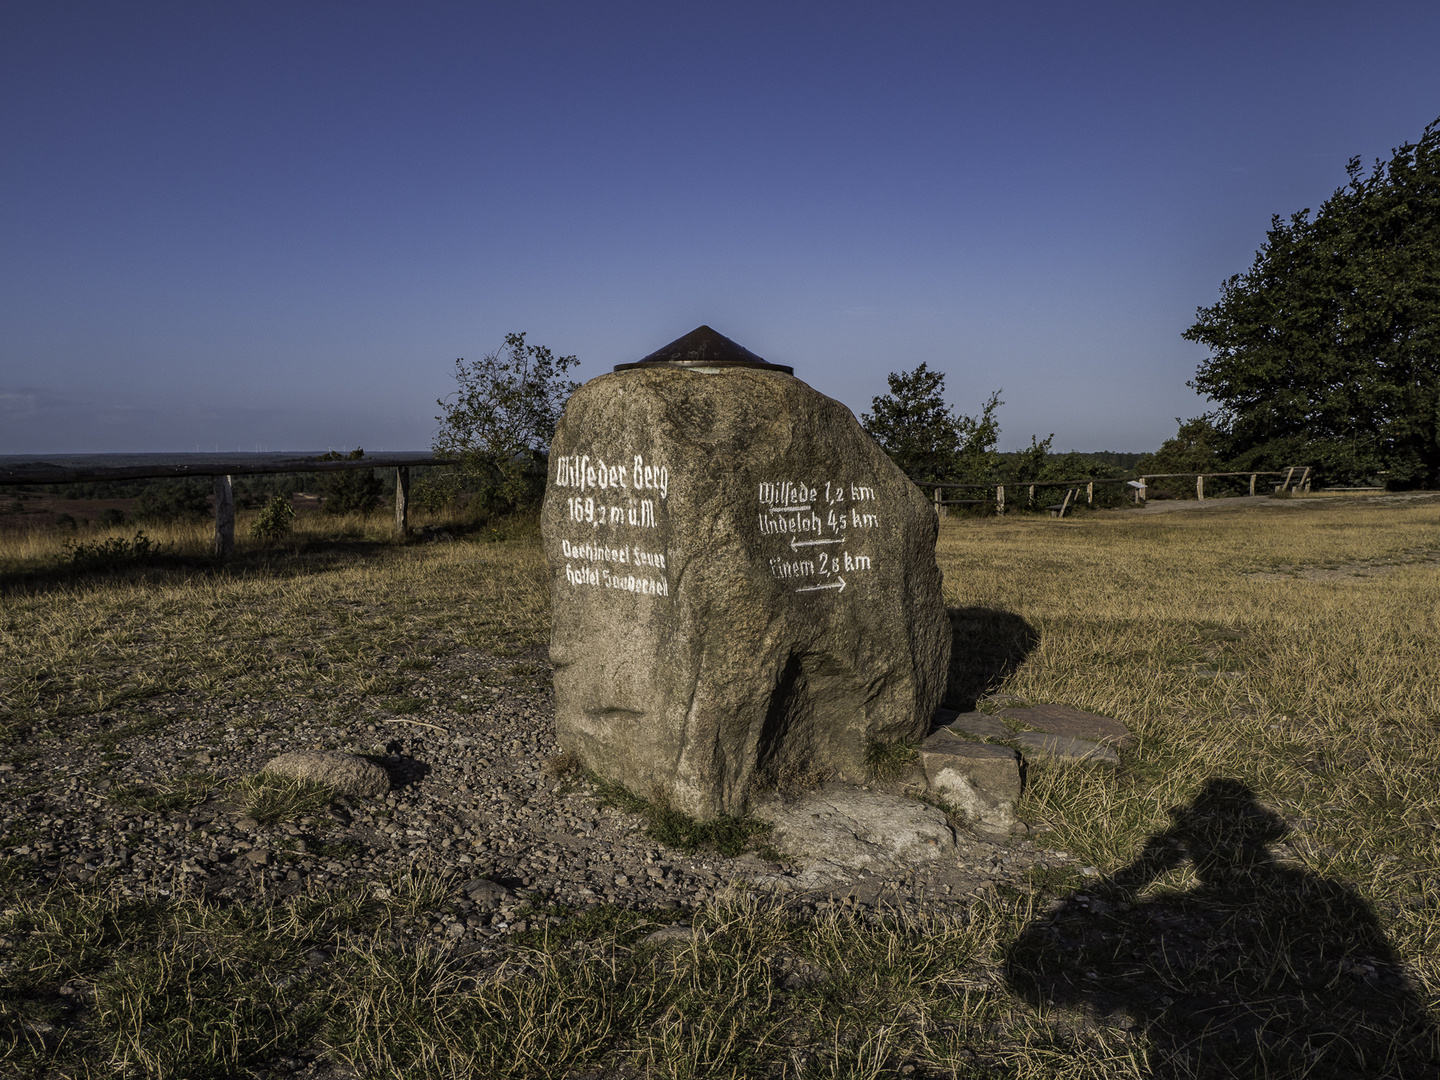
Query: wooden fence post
(402, 502)
(1140, 491)
(939, 510)
(1090, 494)
(1252, 483)
(1031, 503)
(1000, 500)
(1200, 487)
(224, 517)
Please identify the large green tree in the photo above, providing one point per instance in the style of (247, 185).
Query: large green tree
(1327, 351)
(925, 437)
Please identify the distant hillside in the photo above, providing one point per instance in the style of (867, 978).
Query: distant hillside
(1107, 462)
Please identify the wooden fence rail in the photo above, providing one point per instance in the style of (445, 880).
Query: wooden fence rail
(224, 491)
(1295, 478)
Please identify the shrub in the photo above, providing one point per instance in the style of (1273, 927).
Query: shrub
(276, 519)
(108, 554)
(110, 517)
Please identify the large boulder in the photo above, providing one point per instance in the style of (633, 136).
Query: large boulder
(743, 585)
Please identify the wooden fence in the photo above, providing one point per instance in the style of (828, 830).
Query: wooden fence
(1295, 478)
(221, 472)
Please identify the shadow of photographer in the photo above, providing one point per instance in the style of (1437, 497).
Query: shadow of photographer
(1259, 970)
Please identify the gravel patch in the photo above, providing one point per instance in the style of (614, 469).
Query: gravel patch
(474, 800)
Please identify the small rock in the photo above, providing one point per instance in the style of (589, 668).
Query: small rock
(487, 894)
(258, 856)
(344, 773)
(670, 935)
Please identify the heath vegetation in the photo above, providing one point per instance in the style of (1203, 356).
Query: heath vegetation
(1283, 651)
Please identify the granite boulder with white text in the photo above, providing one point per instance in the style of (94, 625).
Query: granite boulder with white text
(743, 587)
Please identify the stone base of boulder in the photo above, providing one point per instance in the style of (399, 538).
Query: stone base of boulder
(1071, 723)
(1065, 748)
(979, 780)
(968, 764)
(845, 828)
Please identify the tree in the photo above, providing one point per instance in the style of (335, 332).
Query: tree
(927, 439)
(1197, 446)
(1327, 351)
(501, 420)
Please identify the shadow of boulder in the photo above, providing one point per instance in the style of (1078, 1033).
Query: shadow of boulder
(987, 647)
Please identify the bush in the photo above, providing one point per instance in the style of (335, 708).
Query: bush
(354, 491)
(108, 554)
(110, 517)
(276, 519)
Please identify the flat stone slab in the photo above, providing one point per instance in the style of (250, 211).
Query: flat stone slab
(1072, 723)
(981, 780)
(972, 723)
(1065, 748)
(846, 828)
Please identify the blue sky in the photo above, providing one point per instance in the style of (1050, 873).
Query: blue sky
(263, 225)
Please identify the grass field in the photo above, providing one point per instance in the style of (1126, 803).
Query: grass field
(1265, 899)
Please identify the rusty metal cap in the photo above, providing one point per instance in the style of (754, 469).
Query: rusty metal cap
(704, 350)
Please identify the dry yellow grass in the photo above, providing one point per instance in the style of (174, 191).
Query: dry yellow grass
(1315, 684)
(1290, 648)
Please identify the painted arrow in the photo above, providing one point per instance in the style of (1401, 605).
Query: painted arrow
(811, 543)
(833, 585)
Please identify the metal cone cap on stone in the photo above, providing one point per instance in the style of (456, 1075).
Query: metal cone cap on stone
(704, 348)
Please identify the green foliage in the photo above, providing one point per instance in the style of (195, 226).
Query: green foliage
(173, 500)
(271, 799)
(108, 554)
(925, 437)
(1198, 446)
(1029, 465)
(886, 761)
(111, 517)
(499, 423)
(351, 491)
(275, 520)
(666, 825)
(1327, 351)
(183, 792)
